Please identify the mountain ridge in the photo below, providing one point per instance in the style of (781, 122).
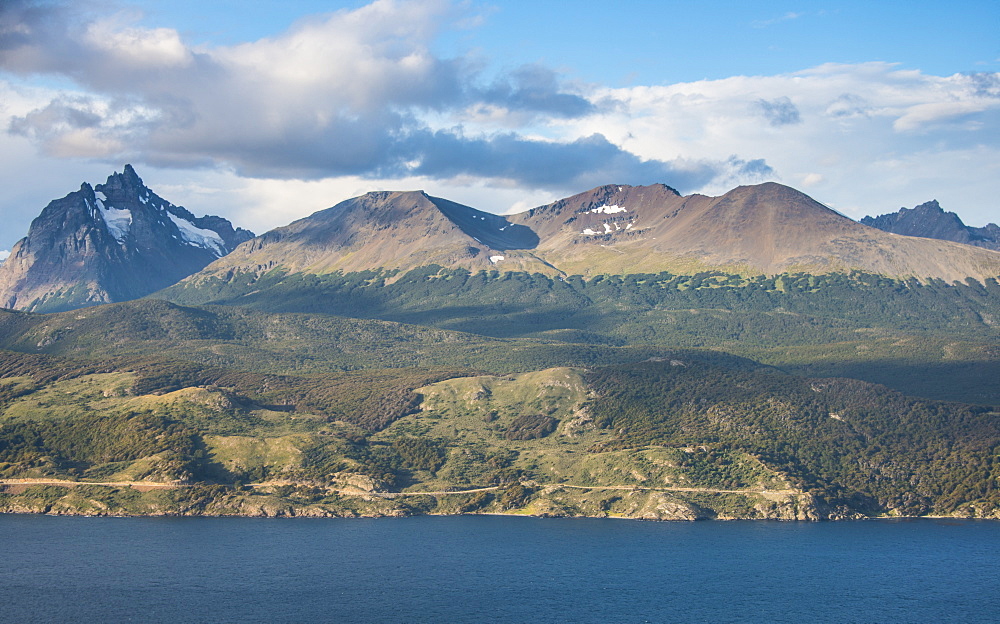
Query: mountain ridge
(495, 382)
(352, 236)
(119, 240)
(612, 229)
(929, 220)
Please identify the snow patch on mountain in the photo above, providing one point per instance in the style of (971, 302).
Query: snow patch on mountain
(118, 221)
(608, 209)
(609, 227)
(194, 235)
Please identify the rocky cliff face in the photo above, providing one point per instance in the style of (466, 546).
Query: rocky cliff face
(112, 242)
(929, 220)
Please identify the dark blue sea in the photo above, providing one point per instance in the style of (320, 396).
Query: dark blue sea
(495, 569)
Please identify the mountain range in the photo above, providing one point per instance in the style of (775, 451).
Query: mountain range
(609, 230)
(110, 242)
(120, 241)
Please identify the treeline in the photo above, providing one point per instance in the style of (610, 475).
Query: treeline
(931, 337)
(789, 307)
(297, 344)
(893, 331)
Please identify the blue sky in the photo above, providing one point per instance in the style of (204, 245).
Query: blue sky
(264, 111)
(659, 42)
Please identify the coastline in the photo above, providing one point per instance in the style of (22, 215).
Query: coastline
(151, 499)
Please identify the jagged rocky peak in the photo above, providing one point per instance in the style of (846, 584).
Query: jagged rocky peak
(110, 242)
(123, 185)
(131, 210)
(930, 220)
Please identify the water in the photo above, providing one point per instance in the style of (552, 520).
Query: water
(495, 569)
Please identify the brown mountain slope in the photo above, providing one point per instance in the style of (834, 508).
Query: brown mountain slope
(767, 228)
(392, 230)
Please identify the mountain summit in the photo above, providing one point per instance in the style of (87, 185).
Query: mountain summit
(111, 242)
(392, 230)
(766, 228)
(758, 229)
(929, 220)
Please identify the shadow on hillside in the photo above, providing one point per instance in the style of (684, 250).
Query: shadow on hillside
(515, 322)
(966, 382)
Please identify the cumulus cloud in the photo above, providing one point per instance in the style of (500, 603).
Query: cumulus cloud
(535, 88)
(346, 93)
(985, 84)
(848, 105)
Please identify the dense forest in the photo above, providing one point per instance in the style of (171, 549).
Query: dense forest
(521, 304)
(845, 441)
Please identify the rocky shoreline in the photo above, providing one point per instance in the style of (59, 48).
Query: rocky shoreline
(218, 501)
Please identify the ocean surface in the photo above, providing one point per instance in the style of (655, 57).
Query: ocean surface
(495, 569)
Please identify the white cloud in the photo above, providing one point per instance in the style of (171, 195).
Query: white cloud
(146, 49)
(350, 93)
(921, 116)
(809, 180)
(263, 204)
(855, 135)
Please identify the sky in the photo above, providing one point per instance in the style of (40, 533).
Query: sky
(266, 111)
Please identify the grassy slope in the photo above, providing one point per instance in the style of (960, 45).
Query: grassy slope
(673, 439)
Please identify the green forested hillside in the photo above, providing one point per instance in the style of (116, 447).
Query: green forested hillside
(675, 438)
(647, 396)
(930, 338)
(298, 343)
(843, 440)
(520, 304)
